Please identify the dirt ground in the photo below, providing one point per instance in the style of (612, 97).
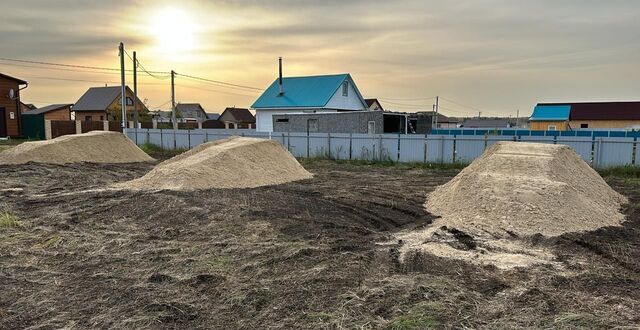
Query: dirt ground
(304, 255)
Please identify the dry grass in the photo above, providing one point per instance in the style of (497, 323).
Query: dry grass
(8, 220)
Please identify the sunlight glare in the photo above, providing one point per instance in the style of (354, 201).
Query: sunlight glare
(173, 30)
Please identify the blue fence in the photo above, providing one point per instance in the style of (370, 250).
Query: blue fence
(600, 152)
(526, 132)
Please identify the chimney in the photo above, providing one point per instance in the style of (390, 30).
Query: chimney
(280, 91)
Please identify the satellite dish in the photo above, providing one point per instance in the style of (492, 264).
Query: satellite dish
(12, 94)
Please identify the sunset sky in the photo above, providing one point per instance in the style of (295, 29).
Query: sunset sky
(493, 56)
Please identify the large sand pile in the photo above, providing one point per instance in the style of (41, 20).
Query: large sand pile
(91, 147)
(515, 190)
(236, 162)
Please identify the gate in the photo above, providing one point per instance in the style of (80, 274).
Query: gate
(62, 127)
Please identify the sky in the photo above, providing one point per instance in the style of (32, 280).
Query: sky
(496, 57)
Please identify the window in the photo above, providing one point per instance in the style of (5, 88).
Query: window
(345, 88)
(282, 120)
(371, 127)
(87, 118)
(551, 128)
(101, 117)
(584, 125)
(129, 101)
(312, 125)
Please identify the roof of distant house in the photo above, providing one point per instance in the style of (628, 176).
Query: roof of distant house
(98, 98)
(302, 92)
(213, 115)
(485, 123)
(20, 81)
(551, 112)
(191, 110)
(30, 106)
(370, 102)
(237, 115)
(48, 108)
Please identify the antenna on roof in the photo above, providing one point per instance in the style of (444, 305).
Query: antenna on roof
(280, 90)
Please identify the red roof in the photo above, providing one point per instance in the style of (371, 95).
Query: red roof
(605, 111)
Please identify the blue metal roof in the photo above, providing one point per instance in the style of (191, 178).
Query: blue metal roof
(311, 91)
(550, 113)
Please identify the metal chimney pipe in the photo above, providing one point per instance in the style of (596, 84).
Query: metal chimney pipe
(281, 91)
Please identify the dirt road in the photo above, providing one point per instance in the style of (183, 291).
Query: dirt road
(305, 255)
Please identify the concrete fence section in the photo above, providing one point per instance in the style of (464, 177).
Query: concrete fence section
(600, 152)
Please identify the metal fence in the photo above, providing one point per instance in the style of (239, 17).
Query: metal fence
(600, 152)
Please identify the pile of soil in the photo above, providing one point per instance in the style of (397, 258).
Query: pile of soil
(91, 147)
(517, 190)
(236, 162)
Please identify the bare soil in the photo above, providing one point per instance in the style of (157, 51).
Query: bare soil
(304, 255)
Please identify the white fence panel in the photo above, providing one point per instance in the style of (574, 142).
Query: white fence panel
(389, 147)
(365, 146)
(581, 144)
(538, 139)
(318, 145)
(613, 152)
(469, 148)
(340, 146)
(412, 148)
(182, 139)
(440, 149)
(298, 144)
(197, 138)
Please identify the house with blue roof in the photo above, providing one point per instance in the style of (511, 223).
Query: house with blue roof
(550, 117)
(309, 94)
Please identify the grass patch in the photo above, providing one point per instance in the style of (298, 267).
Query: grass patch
(8, 220)
(384, 163)
(411, 322)
(50, 242)
(159, 152)
(629, 172)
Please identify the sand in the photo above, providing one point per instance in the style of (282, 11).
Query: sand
(91, 147)
(236, 162)
(513, 191)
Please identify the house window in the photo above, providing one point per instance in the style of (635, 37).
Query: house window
(312, 125)
(551, 128)
(371, 127)
(584, 125)
(101, 117)
(345, 88)
(129, 101)
(87, 118)
(282, 120)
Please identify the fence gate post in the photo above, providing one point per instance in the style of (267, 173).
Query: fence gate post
(380, 147)
(350, 144)
(329, 143)
(425, 141)
(398, 151)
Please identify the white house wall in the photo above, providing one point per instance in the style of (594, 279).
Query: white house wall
(350, 102)
(264, 118)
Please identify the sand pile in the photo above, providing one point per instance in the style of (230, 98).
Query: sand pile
(91, 147)
(515, 190)
(236, 162)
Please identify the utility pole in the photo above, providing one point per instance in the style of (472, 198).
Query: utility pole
(517, 118)
(123, 92)
(479, 114)
(173, 100)
(135, 92)
(437, 106)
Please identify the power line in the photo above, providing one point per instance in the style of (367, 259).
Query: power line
(144, 69)
(408, 105)
(55, 68)
(67, 65)
(219, 82)
(215, 91)
(408, 99)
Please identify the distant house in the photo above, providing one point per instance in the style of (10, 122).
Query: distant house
(550, 117)
(373, 104)
(237, 118)
(53, 112)
(10, 108)
(495, 123)
(191, 112)
(26, 107)
(104, 103)
(329, 93)
(213, 115)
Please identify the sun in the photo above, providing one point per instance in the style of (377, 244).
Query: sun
(173, 30)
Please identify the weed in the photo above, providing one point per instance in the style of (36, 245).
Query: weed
(50, 242)
(386, 163)
(629, 172)
(159, 152)
(413, 321)
(8, 220)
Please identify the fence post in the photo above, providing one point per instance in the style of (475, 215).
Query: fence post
(329, 143)
(380, 147)
(350, 144)
(78, 127)
(441, 149)
(105, 125)
(47, 129)
(307, 144)
(161, 139)
(189, 138)
(398, 151)
(425, 141)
